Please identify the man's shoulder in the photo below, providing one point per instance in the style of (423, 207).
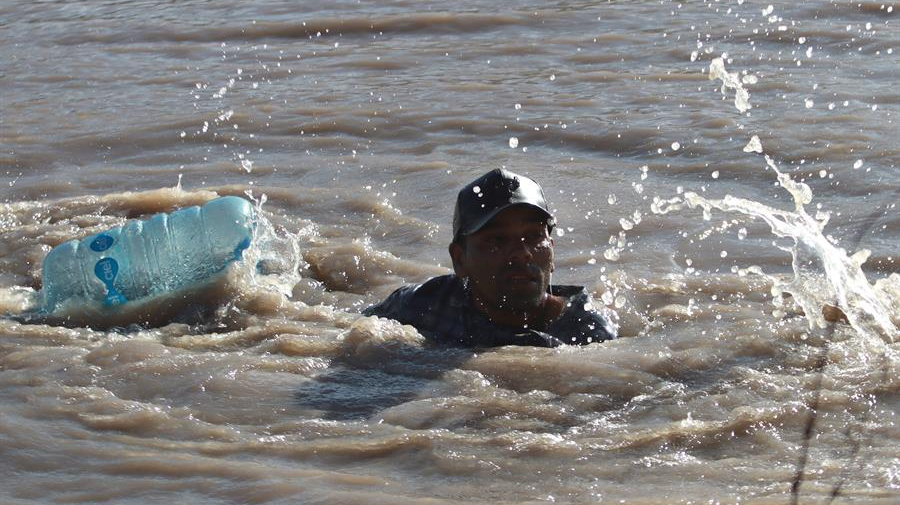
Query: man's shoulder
(581, 322)
(434, 307)
(409, 301)
(443, 285)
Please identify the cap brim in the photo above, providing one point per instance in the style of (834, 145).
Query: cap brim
(484, 220)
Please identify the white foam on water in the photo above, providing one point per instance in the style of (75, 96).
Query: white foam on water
(18, 299)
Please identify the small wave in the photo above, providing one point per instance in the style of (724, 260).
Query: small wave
(850, 10)
(346, 27)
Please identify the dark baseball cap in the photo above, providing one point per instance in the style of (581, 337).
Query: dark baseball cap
(485, 197)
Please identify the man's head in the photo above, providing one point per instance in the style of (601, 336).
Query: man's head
(485, 197)
(501, 243)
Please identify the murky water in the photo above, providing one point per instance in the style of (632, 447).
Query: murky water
(658, 130)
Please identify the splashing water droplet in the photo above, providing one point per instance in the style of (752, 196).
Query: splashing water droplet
(607, 298)
(676, 146)
(858, 164)
(513, 142)
(730, 81)
(754, 146)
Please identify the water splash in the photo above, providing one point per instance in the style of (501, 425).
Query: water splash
(274, 260)
(730, 81)
(824, 274)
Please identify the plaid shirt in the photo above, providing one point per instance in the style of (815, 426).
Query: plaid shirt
(441, 311)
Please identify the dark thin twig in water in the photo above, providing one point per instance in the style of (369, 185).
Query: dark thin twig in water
(822, 360)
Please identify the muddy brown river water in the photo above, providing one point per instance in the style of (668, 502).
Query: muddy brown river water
(658, 130)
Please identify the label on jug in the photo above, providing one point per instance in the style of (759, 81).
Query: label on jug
(106, 270)
(102, 242)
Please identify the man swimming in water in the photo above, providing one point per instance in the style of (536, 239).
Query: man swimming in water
(500, 292)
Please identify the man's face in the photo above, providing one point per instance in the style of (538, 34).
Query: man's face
(508, 262)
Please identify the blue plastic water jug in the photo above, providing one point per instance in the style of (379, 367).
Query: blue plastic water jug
(146, 259)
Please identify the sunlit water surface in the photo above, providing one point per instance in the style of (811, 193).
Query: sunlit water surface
(658, 129)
